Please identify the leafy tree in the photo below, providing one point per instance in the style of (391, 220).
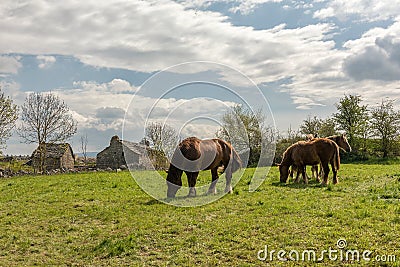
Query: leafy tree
(247, 132)
(292, 136)
(310, 125)
(350, 117)
(8, 116)
(45, 119)
(285, 140)
(385, 122)
(327, 128)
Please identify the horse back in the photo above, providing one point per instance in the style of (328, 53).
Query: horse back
(305, 153)
(327, 149)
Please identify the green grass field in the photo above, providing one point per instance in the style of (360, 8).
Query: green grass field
(105, 219)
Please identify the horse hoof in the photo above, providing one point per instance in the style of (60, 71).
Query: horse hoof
(212, 192)
(192, 192)
(228, 190)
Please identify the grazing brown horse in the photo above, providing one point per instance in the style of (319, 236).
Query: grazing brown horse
(317, 151)
(293, 169)
(193, 155)
(340, 140)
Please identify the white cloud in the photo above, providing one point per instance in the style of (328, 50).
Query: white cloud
(119, 86)
(248, 6)
(324, 13)
(45, 61)
(12, 89)
(164, 33)
(371, 10)
(244, 7)
(376, 55)
(9, 65)
(97, 107)
(93, 103)
(369, 66)
(160, 34)
(181, 114)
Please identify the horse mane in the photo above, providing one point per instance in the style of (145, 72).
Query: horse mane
(337, 158)
(287, 155)
(334, 138)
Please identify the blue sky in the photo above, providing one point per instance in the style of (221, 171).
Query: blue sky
(303, 56)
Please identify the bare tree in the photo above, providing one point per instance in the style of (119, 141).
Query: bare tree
(84, 142)
(8, 116)
(45, 119)
(385, 122)
(161, 137)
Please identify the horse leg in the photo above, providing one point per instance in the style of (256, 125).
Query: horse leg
(291, 172)
(326, 172)
(214, 174)
(321, 171)
(297, 174)
(304, 174)
(305, 171)
(228, 177)
(192, 177)
(314, 170)
(335, 179)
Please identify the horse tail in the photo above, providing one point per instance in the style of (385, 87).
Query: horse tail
(336, 156)
(235, 162)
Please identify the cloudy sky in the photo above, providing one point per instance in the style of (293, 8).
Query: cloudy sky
(302, 55)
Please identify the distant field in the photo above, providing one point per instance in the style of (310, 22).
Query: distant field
(105, 219)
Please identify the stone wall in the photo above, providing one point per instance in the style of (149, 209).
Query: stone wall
(112, 156)
(50, 163)
(115, 154)
(67, 160)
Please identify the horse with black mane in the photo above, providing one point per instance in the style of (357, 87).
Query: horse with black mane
(193, 155)
(317, 151)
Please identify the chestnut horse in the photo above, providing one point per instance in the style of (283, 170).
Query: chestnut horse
(317, 151)
(340, 140)
(193, 155)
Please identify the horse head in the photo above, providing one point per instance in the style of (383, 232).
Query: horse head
(283, 172)
(344, 144)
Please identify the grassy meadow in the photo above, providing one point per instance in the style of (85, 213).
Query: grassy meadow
(105, 219)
